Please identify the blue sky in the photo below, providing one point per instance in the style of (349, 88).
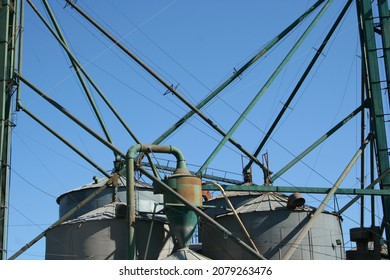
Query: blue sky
(194, 45)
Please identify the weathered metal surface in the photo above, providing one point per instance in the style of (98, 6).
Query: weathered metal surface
(8, 59)
(183, 220)
(272, 227)
(104, 238)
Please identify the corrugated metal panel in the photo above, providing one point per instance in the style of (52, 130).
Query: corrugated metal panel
(273, 227)
(105, 239)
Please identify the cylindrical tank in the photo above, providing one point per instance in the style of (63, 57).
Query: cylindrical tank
(273, 226)
(99, 229)
(182, 220)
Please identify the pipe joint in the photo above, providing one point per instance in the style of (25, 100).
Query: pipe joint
(181, 162)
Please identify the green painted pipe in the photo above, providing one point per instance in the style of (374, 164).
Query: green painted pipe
(181, 168)
(181, 163)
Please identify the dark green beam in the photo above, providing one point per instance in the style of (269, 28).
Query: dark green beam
(265, 87)
(69, 115)
(316, 143)
(239, 72)
(286, 189)
(384, 20)
(299, 84)
(371, 186)
(8, 61)
(75, 65)
(375, 93)
(83, 71)
(167, 85)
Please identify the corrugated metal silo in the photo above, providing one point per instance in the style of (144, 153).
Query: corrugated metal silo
(99, 229)
(273, 227)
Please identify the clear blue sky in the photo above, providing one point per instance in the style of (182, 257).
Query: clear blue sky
(195, 45)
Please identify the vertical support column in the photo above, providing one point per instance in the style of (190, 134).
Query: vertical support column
(374, 92)
(8, 32)
(384, 20)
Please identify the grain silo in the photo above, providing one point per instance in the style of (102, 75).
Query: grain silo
(273, 226)
(98, 230)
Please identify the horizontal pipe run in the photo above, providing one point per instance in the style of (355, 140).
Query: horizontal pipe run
(286, 189)
(369, 187)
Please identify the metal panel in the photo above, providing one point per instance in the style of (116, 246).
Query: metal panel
(104, 240)
(274, 230)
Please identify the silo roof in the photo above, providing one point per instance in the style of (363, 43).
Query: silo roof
(107, 212)
(100, 182)
(269, 201)
(238, 193)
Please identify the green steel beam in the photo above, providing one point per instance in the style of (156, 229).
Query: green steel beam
(287, 189)
(87, 76)
(314, 216)
(62, 139)
(239, 72)
(167, 85)
(19, 47)
(8, 61)
(75, 65)
(384, 20)
(371, 186)
(263, 89)
(299, 84)
(70, 116)
(5, 12)
(316, 143)
(370, 58)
